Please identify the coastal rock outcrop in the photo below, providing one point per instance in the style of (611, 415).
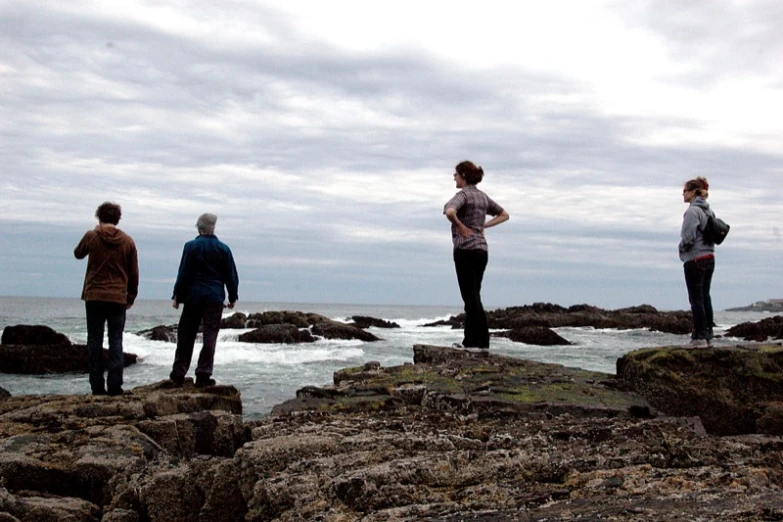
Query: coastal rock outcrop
(554, 316)
(161, 332)
(770, 305)
(284, 327)
(73, 457)
(27, 334)
(458, 435)
(336, 330)
(38, 350)
(277, 333)
(235, 320)
(537, 335)
(43, 359)
(734, 390)
(767, 328)
(298, 319)
(488, 384)
(363, 321)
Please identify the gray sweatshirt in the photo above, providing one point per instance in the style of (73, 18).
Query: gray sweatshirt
(692, 243)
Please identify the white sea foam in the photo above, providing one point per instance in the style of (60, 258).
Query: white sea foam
(286, 355)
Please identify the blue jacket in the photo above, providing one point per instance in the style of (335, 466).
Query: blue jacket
(692, 243)
(207, 266)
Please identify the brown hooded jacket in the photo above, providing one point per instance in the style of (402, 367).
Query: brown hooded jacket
(113, 266)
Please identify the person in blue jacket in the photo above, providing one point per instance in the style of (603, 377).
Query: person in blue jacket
(206, 272)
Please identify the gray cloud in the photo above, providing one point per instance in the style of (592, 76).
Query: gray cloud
(329, 168)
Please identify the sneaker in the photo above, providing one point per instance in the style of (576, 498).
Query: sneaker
(204, 381)
(99, 392)
(697, 343)
(457, 345)
(115, 391)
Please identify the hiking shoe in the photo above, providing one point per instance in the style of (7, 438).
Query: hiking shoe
(203, 382)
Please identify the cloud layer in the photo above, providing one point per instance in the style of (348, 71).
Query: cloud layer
(324, 136)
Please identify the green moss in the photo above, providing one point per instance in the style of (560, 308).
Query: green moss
(351, 371)
(574, 394)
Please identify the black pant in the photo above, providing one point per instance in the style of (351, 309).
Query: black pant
(100, 313)
(698, 279)
(187, 330)
(470, 265)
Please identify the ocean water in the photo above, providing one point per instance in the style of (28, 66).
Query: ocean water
(268, 374)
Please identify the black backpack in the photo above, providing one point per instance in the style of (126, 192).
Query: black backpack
(715, 230)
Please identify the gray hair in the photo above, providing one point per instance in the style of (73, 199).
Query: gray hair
(206, 223)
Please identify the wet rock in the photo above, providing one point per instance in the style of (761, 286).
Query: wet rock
(734, 390)
(362, 321)
(237, 320)
(33, 335)
(335, 330)
(44, 359)
(554, 316)
(160, 333)
(767, 328)
(277, 334)
(298, 319)
(537, 335)
(4, 394)
(455, 322)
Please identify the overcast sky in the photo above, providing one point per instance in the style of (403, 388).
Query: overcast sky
(324, 135)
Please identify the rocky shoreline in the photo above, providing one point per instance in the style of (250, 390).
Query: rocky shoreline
(770, 305)
(458, 435)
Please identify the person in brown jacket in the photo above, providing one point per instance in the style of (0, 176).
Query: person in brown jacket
(110, 288)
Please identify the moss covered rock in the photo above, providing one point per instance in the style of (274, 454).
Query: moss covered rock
(730, 388)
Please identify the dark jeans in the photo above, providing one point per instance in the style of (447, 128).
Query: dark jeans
(698, 279)
(100, 313)
(192, 315)
(470, 265)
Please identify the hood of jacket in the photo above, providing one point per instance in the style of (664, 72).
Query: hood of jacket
(111, 236)
(701, 203)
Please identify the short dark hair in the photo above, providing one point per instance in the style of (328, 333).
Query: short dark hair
(109, 212)
(468, 170)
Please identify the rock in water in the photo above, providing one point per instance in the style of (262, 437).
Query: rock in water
(33, 335)
(43, 359)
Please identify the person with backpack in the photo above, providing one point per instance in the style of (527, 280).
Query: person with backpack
(697, 252)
